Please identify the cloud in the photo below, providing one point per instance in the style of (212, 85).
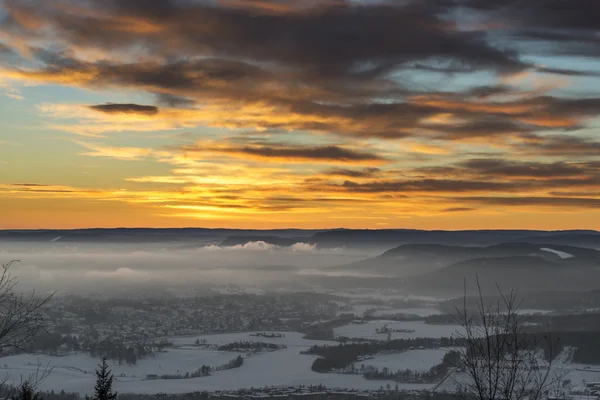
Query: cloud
(353, 173)
(158, 179)
(554, 202)
(287, 153)
(524, 169)
(429, 185)
(322, 106)
(119, 153)
(303, 247)
(558, 146)
(114, 108)
(252, 246)
(563, 30)
(322, 41)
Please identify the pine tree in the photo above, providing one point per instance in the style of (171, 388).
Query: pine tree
(104, 381)
(26, 392)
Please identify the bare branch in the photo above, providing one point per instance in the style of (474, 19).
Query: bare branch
(500, 360)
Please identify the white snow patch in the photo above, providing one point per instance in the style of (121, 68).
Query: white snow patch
(561, 254)
(421, 312)
(416, 360)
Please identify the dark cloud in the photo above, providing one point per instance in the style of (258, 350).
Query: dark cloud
(331, 66)
(560, 145)
(457, 209)
(353, 173)
(288, 152)
(127, 108)
(173, 101)
(506, 168)
(429, 185)
(568, 27)
(5, 49)
(567, 202)
(569, 72)
(328, 40)
(343, 109)
(552, 14)
(29, 184)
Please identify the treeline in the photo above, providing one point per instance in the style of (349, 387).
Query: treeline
(586, 344)
(122, 353)
(340, 357)
(56, 344)
(6, 391)
(297, 393)
(450, 360)
(251, 345)
(324, 330)
(53, 343)
(204, 370)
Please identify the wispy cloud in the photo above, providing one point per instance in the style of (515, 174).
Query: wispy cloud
(119, 153)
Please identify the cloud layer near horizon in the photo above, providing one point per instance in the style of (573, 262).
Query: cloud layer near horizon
(316, 112)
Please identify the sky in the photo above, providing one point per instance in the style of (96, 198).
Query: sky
(427, 114)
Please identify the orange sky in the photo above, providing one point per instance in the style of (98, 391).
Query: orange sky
(265, 114)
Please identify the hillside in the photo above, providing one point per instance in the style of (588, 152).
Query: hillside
(415, 259)
(525, 273)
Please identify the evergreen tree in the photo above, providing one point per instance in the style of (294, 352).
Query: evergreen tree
(104, 381)
(25, 392)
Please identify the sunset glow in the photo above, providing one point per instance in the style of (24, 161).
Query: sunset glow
(423, 114)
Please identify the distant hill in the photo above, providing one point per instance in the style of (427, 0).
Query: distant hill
(442, 269)
(141, 235)
(525, 273)
(391, 238)
(415, 259)
(336, 238)
(559, 301)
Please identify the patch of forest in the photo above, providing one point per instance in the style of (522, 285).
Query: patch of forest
(343, 355)
(244, 346)
(204, 370)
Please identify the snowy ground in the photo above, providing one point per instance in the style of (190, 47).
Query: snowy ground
(575, 374)
(416, 360)
(387, 294)
(421, 330)
(284, 367)
(533, 311)
(173, 361)
(421, 312)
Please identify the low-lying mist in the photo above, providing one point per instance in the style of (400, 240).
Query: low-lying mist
(107, 267)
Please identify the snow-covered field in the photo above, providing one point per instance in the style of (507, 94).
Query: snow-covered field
(360, 309)
(533, 311)
(173, 361)
(421, 330)
(284, 367)
(574, 375)
(421, 312)
(416, 360)
(289, 339)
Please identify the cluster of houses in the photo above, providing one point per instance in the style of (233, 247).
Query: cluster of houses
(139, 320)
